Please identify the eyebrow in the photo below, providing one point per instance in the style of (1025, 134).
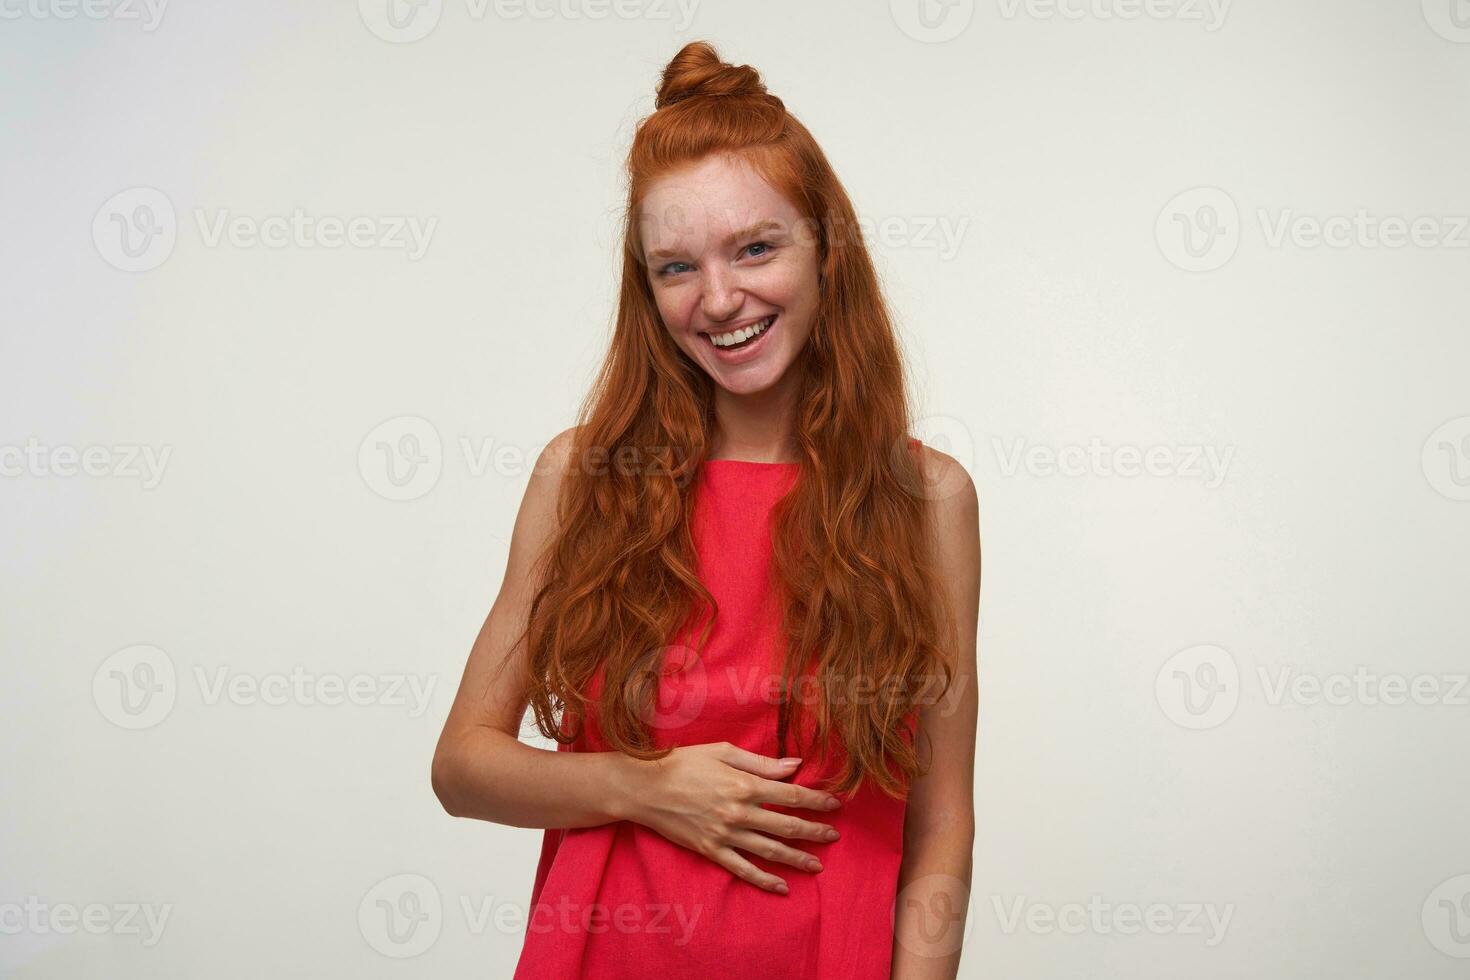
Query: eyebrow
(768, 224)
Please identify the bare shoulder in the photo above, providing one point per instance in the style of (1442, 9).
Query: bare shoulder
(551, 467)
(556, 456)
(536, 522)
(951, 492)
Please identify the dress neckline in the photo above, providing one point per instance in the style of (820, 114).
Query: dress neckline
(748, 462)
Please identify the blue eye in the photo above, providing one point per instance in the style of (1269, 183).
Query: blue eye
(668, 270)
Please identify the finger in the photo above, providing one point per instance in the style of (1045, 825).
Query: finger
(764, 766)
(743, 869)
(774, 850)
(790, 794)
(790, 826)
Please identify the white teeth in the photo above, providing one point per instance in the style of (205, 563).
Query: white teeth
(736, 336)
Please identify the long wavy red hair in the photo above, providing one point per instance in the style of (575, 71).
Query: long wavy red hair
(853, 541)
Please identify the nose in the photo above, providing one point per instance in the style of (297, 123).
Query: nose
(723, 295)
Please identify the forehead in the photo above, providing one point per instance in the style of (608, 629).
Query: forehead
(702, 205)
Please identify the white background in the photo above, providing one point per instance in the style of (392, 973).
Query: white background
(1054, 144)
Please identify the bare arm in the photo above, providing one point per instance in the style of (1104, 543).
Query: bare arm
(939, 828)
(708, 798)
(481, 769)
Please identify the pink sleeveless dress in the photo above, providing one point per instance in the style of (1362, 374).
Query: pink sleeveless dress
(621, 901)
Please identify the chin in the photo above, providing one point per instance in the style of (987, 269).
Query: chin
(748, 385)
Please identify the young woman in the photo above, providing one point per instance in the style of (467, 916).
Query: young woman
(740, 596)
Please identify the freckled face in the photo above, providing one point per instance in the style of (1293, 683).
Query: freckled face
(726, 251)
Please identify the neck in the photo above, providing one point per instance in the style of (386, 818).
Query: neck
(756, 427)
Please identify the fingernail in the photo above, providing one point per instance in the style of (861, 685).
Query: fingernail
(830, 834)
(782, 889)
(790, 761)
(814, 865)
(833, 803)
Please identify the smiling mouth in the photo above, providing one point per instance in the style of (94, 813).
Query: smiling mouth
(736, 339)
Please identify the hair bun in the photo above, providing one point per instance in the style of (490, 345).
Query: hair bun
(698, 71)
